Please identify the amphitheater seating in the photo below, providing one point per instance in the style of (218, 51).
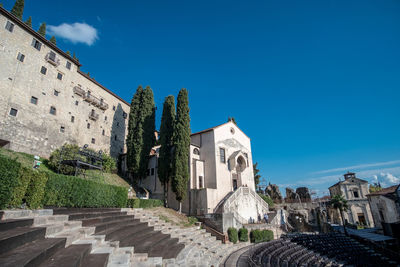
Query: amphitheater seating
(316, 250)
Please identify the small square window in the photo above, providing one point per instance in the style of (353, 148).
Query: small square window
(115, 137)
(59, 76)
(34, 100)
(62, 129)
(117, 123)
(152, 171)
(105, 118)
(72, 118)
(13, 112)
(88, 126)
(114, 108)
(125, 115)
(93, 141)
(9, 26)
(68, 65)
(56, 92)
(53, 110)
(76, 102)
(43, 70)
(21, 57)
(36, 44)
(103, 132)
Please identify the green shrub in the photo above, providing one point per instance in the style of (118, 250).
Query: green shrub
(70, 152)
(192, 220)
(20, 190)
(243, 235)
(9, 173)
(133, 203)
(257, 236)
(267, 199)
(233, 235)
(70, 191)
(109, 164)
(144, 203)
(36, 189)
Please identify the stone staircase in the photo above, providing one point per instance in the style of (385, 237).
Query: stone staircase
(104, 237)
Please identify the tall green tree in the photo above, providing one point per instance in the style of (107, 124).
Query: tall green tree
(29, 21)
(68, 53)
(257, 176)
(18, 9)
(165, 169)
(134, 140)
(375, 187)
(42, 29)
(340, 203)
(181, 147)
(148, 111)
(53, 40)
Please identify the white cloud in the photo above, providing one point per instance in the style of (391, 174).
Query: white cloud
(75, 32)
(386, 179)
(361, 166)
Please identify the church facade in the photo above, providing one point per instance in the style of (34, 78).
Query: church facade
(355, 191)
(221, 177)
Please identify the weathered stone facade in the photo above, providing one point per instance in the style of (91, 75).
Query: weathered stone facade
(355, 191)
(47, 101)
(272, 190)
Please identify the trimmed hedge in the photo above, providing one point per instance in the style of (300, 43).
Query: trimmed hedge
(20, 190)
(70, 191)
(36, 189)
(233, 235)
(144, 203)
(9, 173)
(257, 236)
(243, 235)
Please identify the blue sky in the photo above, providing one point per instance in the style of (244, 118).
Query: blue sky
(315, 84)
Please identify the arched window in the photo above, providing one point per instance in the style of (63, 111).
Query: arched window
(196, 151)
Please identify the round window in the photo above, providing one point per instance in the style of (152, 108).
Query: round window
(232, 131)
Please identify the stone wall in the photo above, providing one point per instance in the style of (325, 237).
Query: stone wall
(24, 88)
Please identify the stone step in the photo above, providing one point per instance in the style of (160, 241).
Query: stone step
(13, 223)
(50, 219)
(95, 260)
(125, 231)
(84, 210)
(24, 214)
(15, 237)
(32, 253)
(87, 215)
(70, 256)
(113, 224)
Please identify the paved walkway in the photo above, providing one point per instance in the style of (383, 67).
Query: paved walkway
(239, 258)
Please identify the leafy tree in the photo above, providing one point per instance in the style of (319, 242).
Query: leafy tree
(53, 40)
(42, 29)
(232, 119)
(74, 57)
(1, 4)
(29, 22)
(134, 140)
(148, 111)
(166, 141)
(375, 187)
(340, 203)
(267, 199)
(18, 9)
(181, 147)
(256, 175)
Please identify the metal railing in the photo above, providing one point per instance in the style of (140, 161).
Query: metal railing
(52, 59)
(93, 115)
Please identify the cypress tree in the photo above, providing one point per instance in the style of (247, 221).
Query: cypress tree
(166, 142)
(181, 147)
(42, 29)
(74, 57)
(134, 140)
(18, 9)
(29, 22)
(149, 125)
(232, 119)
(68, 53)
(53, 40)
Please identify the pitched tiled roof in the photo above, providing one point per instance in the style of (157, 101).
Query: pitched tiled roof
(385, 191)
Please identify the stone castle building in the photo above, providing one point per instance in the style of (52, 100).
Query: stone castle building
(355, 191)
(46, 101)
(221, 181)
